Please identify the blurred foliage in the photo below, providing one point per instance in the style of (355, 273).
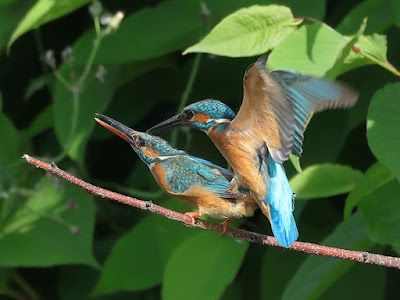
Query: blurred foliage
(133, 70)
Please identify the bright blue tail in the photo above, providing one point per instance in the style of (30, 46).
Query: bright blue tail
(280, 200)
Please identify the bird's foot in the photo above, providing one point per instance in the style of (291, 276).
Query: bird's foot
(225, 225)
(193, 215)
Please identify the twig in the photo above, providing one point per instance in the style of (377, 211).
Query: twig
(359, 256)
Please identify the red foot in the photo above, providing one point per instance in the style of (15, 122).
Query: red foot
(193, 215)
(225, 226)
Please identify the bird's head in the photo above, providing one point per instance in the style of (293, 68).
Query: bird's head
(151, 149)
(200, 115)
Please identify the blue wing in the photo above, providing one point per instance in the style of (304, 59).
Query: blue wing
(184, 172)
(224, 172)
(280, 200)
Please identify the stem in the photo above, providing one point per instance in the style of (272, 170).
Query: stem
(26, 288)
(74, 125)
(187, 91)
(92, 55)
(63, 80)
(40, 48)
(97, 27)
(253, 237)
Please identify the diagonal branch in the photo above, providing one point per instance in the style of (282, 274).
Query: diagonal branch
(359, 256)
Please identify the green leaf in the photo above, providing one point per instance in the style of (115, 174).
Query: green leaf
(248, 32)
(295, 160)
(287, 262)
(381, 15)
(316, 47)
(94, 98)
(10, 14)
(135, 42)
(76, 282)
(338, 66)
(376, 176)
(139, 258)
(202, 266)
(383, 127)
(43, 12)
(373, 50)
(43, 121)
(381, 213)
(45, 222)
(9, 151)
(318, 272)
(364, 282)
(324, 180)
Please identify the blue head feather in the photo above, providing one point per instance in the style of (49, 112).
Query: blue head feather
(215, 109)
(159, 145)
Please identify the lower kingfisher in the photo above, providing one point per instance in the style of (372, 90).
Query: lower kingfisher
(192, 180)
(268, 127)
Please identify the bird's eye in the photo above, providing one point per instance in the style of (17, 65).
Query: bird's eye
(140, 142)
(188, 114)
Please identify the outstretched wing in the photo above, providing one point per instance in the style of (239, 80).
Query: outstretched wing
(276, 106)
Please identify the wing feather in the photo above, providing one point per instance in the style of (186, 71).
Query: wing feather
(276, 107)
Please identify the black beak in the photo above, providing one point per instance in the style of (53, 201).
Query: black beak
(174, 122)
(116, 127)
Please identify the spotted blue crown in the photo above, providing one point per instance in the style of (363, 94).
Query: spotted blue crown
(213, 108)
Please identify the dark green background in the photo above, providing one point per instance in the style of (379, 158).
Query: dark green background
(41, 255)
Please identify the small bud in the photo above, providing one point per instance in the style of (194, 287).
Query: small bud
(205, 12)
(66, 54)
(95, 8)
(356, 49)
(50, 59)
(101, 73)
(116, 20)
(74, 230)
(105, 19)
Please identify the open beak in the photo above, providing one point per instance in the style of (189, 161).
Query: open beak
(174, 122)
(118, 128)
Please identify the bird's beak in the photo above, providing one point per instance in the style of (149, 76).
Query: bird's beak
(118, 128)
(174, 122)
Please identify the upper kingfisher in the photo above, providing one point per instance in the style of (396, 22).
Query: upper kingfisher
(268, 127)
(192, 180)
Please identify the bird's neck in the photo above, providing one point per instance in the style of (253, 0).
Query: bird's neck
(218, 128)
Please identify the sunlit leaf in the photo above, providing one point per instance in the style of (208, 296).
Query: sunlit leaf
(324, 180)
(383, 127)
(248, 32)
(210, 263)
(43, 12)
(374, 45)
(316, 47)
(348, 48)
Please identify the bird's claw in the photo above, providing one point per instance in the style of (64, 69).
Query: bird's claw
(225, 226)
(192, 216)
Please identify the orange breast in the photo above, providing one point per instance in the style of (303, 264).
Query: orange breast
(241, 156)
(218, 208)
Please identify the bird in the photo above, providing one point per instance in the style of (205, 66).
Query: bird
(193, 181)
(267, 128)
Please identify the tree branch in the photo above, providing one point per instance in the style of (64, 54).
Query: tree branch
(359, 256)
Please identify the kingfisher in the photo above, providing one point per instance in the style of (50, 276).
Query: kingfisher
(193, 181)
(268, 127)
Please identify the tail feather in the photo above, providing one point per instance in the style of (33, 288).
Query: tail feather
(280, 200)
